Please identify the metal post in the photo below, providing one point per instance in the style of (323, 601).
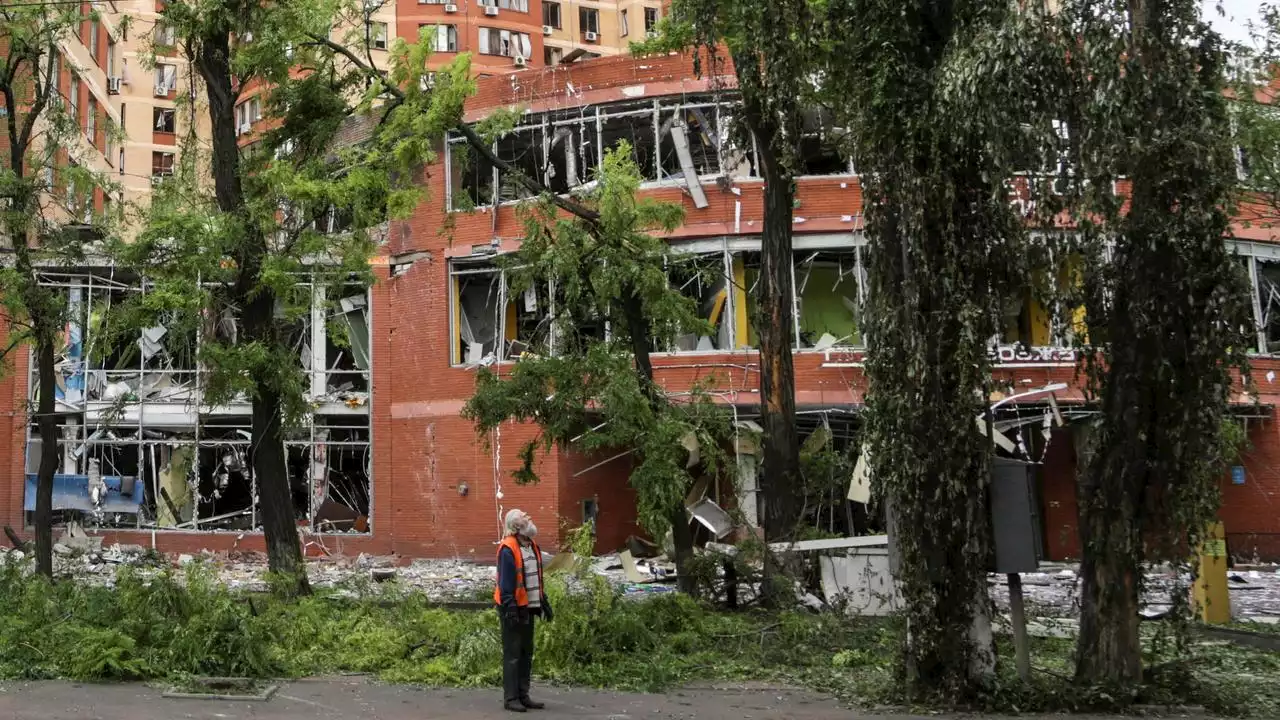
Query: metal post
(1018, 618)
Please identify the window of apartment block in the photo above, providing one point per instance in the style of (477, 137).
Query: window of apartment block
(551, 55)
(164, 35)
(164, 120)
(124, 130)
(446, 39)
(505, 43)
(73, 97)
(434, 2)
(161, 164)
(378, 35)
(624, 25)
(517, 5)
(650, 19)
(92, 44)
(829, 287)
(247, 113)
(551, 14)
(111, 60)
(91, 119)
(166, 79)
(589, 20)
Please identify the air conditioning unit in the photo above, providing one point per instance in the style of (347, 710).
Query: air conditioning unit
(590, 36)
(162, 91)
(113, 86)
(450, 8)
(520, 61)
(546, 29)
(651, 34)
(157, 179)
(491, 10)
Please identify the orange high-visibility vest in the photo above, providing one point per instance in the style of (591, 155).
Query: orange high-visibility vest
(522, 593)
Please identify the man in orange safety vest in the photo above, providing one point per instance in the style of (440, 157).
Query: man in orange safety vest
(520, 598)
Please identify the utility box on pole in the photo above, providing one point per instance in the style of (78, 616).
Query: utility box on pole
(1015, 516)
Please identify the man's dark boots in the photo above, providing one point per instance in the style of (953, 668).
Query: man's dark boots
(514, 706)
(531, 704)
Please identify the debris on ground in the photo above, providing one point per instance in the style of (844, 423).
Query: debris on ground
(1054, 592)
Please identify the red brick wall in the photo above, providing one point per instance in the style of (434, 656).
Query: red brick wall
(13, 391)
(1058, 498)
(1251, 512)
(609, 485)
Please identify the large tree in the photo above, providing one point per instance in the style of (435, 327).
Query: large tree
(934, 99)
(47, 208)
(772, 48)
(1167, 308)
(236, 239)
(597, 391)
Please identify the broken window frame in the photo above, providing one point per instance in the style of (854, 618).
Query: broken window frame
(482, 265)
(799, 282)
(726, 312)
(102, 428)
(741, 305)
(584, 128)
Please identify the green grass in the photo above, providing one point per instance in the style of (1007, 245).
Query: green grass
(171, 628)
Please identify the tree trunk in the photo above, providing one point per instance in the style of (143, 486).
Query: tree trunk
(641, 343)
(49, 437)
(1109, 490)
(780, 476)
(257, 316)
(1109, 649)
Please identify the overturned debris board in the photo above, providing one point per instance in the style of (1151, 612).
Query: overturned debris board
(712, 516)
(860, 582)
(860, 483)
(831, 544)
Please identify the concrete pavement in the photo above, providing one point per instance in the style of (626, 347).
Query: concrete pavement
(355, 698)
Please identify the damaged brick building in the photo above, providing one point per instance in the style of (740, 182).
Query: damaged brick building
(385, 463)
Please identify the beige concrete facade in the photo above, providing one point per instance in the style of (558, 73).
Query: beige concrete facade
(577, 29)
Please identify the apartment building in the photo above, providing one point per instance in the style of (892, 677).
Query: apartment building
(129, 110)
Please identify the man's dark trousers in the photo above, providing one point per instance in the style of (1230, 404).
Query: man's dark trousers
(517, 653)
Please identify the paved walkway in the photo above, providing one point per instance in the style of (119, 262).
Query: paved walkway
(351, 698)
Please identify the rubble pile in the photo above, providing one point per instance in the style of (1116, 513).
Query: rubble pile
(1055, 592)
(1051, 594)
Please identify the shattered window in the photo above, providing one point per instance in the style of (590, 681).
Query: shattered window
(140, 450)
(494, 321)
(329, 471)
(470, 177)
(690, 139)
(820, 146)
(828, 292)
(477, 323)
(1269, 302)
(746, 288)
(701, 278)
(738, 157)
(636, 128)
(574, 153)
(346, 348)
(522, 149)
